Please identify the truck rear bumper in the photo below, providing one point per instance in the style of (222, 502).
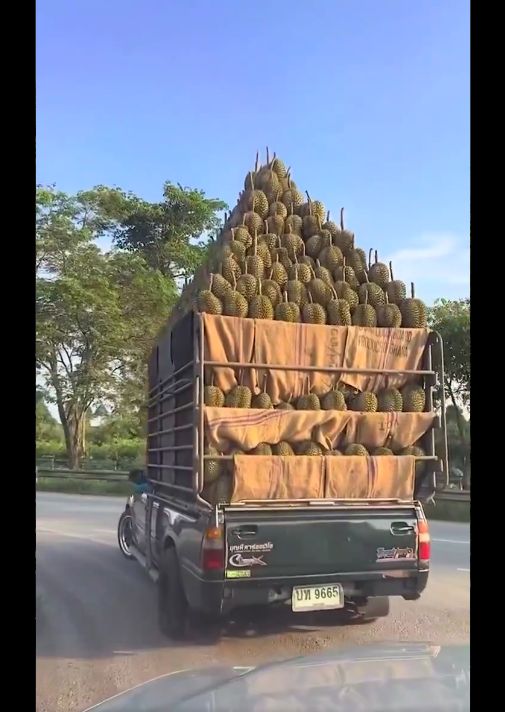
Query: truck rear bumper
(219, 597)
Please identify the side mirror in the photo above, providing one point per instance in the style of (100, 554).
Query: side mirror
(137, 477)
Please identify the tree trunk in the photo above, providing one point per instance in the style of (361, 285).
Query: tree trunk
(460, 423)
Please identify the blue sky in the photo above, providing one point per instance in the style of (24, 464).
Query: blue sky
(367, 100)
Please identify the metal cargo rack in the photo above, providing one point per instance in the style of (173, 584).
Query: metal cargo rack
(177, 467)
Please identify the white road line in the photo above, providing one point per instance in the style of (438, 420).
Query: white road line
(451, 541)
(465, 570)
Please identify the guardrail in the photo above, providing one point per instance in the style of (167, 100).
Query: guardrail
(121, 476)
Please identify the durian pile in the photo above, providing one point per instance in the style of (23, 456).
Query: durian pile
(281, 256)
(409, 399)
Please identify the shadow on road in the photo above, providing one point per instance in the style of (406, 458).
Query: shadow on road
(92, 603)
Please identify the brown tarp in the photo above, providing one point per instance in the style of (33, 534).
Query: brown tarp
(229, 338)
(227, 427)
(369, 477)
(389, 349)
(279, 342)
(276, 342)
(262, 477)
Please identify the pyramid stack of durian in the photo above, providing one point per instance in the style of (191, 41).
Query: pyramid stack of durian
(281, 256)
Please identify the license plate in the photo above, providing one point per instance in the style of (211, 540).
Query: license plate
(317, 598)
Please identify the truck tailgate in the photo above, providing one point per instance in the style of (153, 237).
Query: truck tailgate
(270, 543)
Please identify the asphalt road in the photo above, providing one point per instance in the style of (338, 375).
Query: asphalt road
(97, 631)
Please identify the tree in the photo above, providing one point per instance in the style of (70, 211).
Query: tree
(451, 318)
(165, 232)
(46, 427)
(96, 318)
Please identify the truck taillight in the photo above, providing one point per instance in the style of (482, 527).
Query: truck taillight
(424, 547)
(213, 549)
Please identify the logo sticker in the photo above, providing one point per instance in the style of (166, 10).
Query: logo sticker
(239, 560)
(395, 553)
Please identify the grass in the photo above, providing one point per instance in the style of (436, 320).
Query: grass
(81, 486)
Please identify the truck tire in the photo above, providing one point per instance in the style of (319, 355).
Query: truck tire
(377, 607)
(124, 534)
(172, 604)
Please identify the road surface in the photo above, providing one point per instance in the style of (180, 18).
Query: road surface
(97, 628)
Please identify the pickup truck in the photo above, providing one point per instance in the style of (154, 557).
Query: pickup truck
(209, 560)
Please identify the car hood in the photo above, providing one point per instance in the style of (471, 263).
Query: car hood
(396, 676)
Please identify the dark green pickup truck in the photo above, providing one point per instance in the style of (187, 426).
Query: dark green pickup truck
(309, 555)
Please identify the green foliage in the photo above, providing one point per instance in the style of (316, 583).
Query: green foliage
(165, 233)
(451, 318)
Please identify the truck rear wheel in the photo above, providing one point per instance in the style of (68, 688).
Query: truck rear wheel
(172, 604)
(125, 534)
(377, 607)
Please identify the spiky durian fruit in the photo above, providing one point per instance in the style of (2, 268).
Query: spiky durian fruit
(287, 310)
(284, 405)
(414, 312)
(293, 244)
(234, 303)
(380, 451)
(313, 313)
(379, 272)
(262, 400)
(331, 256)
(238, 250)
(254, 222)
(278, 273)
(333, 400)
(323, 273)
(283, 448)
(267, 180)
(365, 402)
(270, 239)
(241, 234)
(319, 291)
(223, 488)
(212, 469)
(331, 226)
(308, 447)
(255, 264)
(364, 314)
(395, 289)
(278, 166)
(344, 238)
(389, 400)
(208, 302)
(389, 315)
(275, 224)
(356, 259)
(414, 398)
(261, 449)
(271, 289)
(238, 397)
(213, 397)
(293, 222)
(260, 306)
(356, 449)
(292, 196)
(278, 208)
(230, 270)
(314, 244)
(345, 273)
(301, 272)
(373, 293)
(296, 292)
(338, 311)
(247, 284)
(310, 401)
(219, 285)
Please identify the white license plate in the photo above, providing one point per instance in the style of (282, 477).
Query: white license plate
(317, 598)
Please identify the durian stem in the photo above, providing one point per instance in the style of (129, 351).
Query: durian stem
(256, 161)
(268, 157)
(376, 255)
(341, 218)
(391, 270)
(370, 257)
(211, 281)
(328, 216)
(309, 202)
(412, 290)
